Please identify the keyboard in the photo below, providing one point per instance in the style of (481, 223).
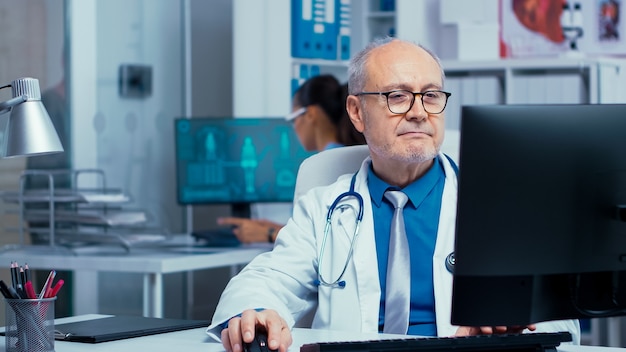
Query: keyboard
(219, 237)
(535, 342)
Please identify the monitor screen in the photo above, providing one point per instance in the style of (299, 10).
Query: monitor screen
(541, 214)
(228, 160)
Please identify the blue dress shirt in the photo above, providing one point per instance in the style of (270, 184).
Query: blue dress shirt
(421, 218)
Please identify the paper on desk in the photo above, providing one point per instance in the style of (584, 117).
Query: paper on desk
(105, 198)
(67, 196)
(96, 217)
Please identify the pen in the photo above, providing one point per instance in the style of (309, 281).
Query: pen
(5, 290)
(30, 291)
(14, 274)
(47, 284)
(13, 293)
(56, 289)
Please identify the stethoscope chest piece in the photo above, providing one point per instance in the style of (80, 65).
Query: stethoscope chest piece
(450, 261)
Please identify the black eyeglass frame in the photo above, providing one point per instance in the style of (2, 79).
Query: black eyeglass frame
(421, 94)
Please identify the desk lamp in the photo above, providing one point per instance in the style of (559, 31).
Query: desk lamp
(29, 131)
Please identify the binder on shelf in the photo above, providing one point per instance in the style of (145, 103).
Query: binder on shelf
(299, 74)
(302, 28)
(326, 28)
(314, 29)
(387, 5)
(314, 70)
(343, 37)
(302, 72)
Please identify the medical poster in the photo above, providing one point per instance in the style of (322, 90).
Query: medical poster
(549, 28)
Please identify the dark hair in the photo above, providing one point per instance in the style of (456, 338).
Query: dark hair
(326, 92)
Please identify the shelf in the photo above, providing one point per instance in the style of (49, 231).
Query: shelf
(111, 196)
(75, 216)
(93, 217)
(320, 62)
(385, 15)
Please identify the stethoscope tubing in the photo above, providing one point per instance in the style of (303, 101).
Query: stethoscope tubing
(351, 193)
(339, 283)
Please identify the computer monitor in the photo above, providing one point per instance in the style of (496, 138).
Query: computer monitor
(236, 161)
(541, 214)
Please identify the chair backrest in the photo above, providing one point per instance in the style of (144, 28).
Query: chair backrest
(326, 166)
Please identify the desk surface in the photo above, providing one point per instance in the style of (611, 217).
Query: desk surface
(197, 340)
(162, 260)
(176, 256)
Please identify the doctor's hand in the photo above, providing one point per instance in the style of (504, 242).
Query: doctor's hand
(252, 230)
(489, 330)
(242, 329)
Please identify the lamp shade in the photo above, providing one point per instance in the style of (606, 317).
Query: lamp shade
(29, 129)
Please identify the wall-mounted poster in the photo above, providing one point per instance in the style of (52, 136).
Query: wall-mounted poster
(608, 20)
(536, 28)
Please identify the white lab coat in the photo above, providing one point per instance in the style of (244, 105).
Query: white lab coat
(284, 279)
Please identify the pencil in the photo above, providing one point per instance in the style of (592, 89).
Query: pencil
(26, 272)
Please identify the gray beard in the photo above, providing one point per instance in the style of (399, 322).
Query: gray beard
(412, 155)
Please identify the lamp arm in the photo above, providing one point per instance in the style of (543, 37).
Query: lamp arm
(7, 105)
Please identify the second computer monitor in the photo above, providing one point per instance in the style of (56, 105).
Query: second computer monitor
(236, 160)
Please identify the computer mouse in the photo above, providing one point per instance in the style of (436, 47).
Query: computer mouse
(259, 344)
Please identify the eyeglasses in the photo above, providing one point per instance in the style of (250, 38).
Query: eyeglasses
(294, 115)
(401, 101)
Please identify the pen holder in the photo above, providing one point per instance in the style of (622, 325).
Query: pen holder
(30, 325)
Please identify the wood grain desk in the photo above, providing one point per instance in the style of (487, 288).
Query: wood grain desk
(153, 263)
(197, 340)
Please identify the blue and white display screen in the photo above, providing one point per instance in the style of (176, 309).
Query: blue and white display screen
(244, 160)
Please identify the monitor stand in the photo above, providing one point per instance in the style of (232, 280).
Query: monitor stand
(223, 236)
(240, 210)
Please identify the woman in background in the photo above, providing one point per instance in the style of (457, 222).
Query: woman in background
(319, 115)
(321, 122)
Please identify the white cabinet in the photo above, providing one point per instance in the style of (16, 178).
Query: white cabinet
(538, 81)
(532, 81)
(417, 21)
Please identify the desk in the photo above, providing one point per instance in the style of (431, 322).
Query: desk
(197, 340)
(151, 262)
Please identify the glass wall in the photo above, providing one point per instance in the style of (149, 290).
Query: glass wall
(32, 45)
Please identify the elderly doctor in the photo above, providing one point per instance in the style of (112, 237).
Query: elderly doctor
(340, 273)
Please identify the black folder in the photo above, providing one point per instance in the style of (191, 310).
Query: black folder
(121, 327)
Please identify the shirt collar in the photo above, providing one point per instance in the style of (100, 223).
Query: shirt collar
(333, 145)
(416, 191)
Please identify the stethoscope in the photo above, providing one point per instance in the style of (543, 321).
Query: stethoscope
(338, 282)
(359, 217)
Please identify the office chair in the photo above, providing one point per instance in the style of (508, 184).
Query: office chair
(322, 169)
(326, 166)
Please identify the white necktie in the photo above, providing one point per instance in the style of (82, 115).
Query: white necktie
(398, 286)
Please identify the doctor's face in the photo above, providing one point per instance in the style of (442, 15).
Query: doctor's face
(412, 137)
